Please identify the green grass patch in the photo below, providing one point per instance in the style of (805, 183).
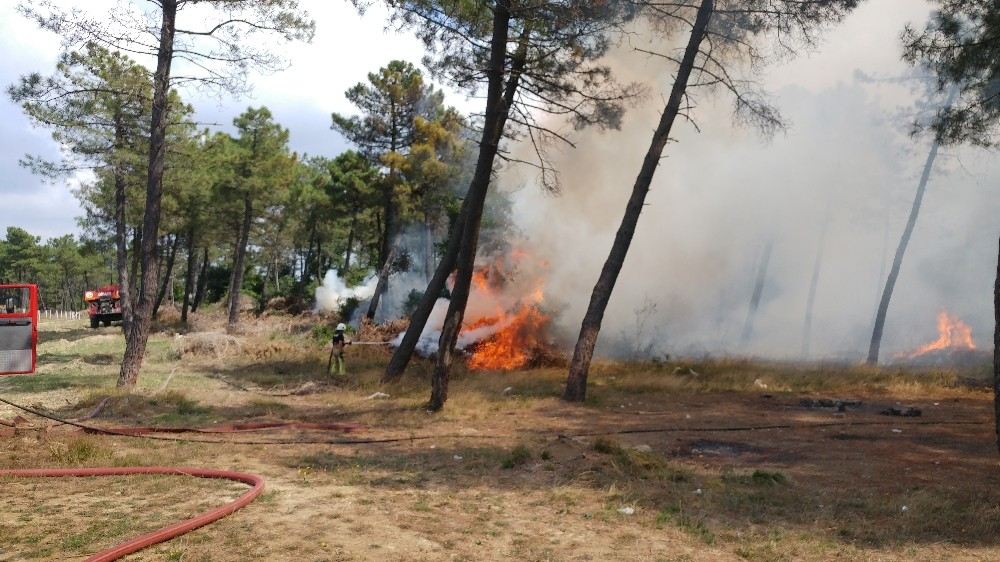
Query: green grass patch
(693, 525)
(516, 457)
(757, 478)
(167, 408)
(28, 384)
(79, 451)
(638, 464)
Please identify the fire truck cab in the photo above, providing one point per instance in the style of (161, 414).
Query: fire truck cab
(18, 329)
(104, 305)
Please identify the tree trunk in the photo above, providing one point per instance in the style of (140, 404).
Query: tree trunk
(121, 233)
(134, 266)
(239, 262)
(428, 246)
(383, 283)
(319, 261)
(576, 382)
(499, 100)
(758, 291)
(262, 302)
(386, 251)
(897, 261)
(199, 293)
(350, 245)
(996, 352)
(307, 274)
(63, 298)
(380, 288)
(188, 276)
(813, 285)
(168, 273)
(138, 333)
(418, 320)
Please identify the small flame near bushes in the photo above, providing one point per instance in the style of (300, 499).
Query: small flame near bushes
(953, 335)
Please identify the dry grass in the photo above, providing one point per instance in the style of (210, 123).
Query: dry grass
(502, 476)
(210, 344)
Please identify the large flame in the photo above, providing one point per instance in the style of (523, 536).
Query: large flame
(512, 347)
(953, 334)
(507, 308)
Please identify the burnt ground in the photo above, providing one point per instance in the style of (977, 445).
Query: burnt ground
(656, 466)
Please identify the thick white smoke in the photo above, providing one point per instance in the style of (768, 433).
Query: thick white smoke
(427, 345)
(332, 294)
(722, 194)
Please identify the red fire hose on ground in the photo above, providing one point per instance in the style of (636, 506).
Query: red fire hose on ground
(166, 533)
(257, 482)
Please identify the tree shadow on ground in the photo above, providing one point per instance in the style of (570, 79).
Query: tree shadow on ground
(174, 409)
(733, 505)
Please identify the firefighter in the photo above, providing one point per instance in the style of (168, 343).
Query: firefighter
(336, 363)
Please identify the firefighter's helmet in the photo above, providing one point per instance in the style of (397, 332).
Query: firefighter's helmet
(341, 327)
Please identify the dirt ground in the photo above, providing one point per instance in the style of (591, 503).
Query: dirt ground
(708, 461)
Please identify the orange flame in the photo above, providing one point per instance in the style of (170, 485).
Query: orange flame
(521, 326)
(952, 334)
(511, 347)
(480, 281)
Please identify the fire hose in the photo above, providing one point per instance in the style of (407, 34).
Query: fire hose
(166, 533)
(171, 531)
(257, 482)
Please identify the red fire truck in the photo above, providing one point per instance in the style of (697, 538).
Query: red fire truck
(18, 329)
(104, 305)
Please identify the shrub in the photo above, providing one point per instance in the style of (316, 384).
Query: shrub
(516, 457)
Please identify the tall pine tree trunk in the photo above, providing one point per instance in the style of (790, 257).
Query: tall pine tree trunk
(134, 266)
(897, 261)
(168, 274)
(319, 261)
(904, 241)
(418, 319)
(387, 249)
(758, 291)
(307, 273)
(350, 245)
(996, 351)
(576, 382)
(428, 246)
(383, 282)
(262, 302)
(199, 293)
(189, 271)
(500, 98)
(121, 232)
(239, 262)
(138, 333)
(813, 286)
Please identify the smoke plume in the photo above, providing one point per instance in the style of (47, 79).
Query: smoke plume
(847, 166)
(333, 293)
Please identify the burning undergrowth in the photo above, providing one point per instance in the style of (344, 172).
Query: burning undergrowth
(506, 325)
(954, 346)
